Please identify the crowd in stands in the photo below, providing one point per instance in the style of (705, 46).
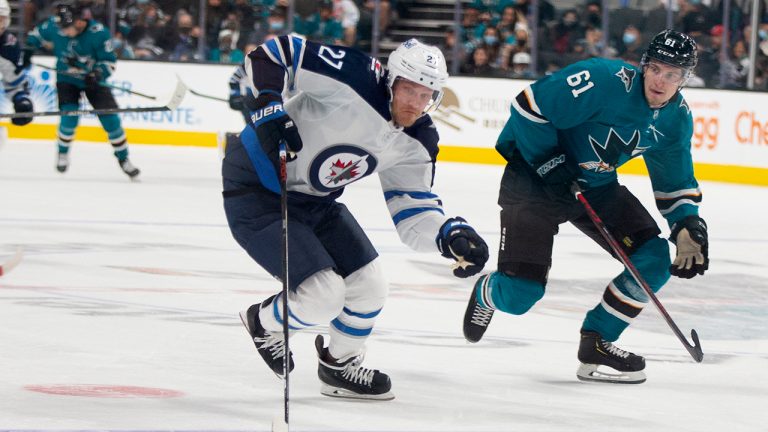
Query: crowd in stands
(495, 38)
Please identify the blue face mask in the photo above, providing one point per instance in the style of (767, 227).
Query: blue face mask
(276, 26)
(763, 34)
(490, 40)
(629, 38)
(117, 44)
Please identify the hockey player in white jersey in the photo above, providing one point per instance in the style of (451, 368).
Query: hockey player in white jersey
(343, 117)
(13, 68)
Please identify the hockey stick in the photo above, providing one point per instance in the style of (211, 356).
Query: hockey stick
(104, 84)
(12, 262)
(173, 103)
(695, 349)
(208, 96)
(277, 425)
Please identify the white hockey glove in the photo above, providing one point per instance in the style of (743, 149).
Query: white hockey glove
(690, 236)
(459, 241)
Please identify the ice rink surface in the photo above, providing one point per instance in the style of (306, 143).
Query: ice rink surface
(123, 314)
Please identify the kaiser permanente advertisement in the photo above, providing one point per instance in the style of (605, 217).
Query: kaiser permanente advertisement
(730, 141)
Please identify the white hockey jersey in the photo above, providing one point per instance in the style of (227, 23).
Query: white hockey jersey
(340, 103)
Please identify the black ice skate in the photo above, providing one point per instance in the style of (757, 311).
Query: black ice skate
(476, 318)
(345, 378)
(129, 169)
(270, 346)
(62, 162)
(594, 351)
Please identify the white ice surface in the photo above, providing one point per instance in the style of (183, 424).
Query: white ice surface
(139, 284)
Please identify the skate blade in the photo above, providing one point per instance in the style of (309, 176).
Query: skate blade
(341, 393)
(590, 373)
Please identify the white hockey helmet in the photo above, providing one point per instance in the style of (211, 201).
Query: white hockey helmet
(420, 63)
(5, 9)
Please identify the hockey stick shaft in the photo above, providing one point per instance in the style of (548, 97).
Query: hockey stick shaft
(208, 96)
(172, 104)
(103, 84)
(284, 217)
(695, 349)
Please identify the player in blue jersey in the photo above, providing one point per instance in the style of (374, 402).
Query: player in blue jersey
(85, 59)
(343, 117)
(13, 68)
(580, 124)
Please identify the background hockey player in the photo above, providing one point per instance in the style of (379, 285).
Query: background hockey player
(344, 118)
(13, 68)
(85, 59)
(581, 123)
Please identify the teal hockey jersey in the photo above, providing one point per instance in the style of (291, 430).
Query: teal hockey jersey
(596, 113)
(90, 50)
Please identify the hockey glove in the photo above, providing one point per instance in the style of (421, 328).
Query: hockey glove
(690, 236)
(236, 102)
(22, 104)
(557, 174)
(273, 125)
(92, 79)
(459, 241)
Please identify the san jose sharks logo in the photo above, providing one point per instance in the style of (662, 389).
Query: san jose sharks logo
(611, 151)
(340, 165)
(627, 76)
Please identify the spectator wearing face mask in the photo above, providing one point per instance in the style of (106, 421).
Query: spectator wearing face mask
(631, 46)
(566, 32)
(227, 51)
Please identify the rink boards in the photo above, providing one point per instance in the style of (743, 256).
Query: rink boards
(730, 141)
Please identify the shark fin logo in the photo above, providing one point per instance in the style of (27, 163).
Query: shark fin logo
(610, 151)
(627, 76)
(340, 165)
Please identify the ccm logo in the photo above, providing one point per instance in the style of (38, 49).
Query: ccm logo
(549, 165)
(266, 112)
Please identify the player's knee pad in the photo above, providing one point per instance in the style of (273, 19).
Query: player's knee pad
(367, 288)
(111, 124)
(514, 294)
(318, 299)
(652, 261)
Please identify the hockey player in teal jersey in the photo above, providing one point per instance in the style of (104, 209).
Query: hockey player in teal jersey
(85, 59)
(580, 124)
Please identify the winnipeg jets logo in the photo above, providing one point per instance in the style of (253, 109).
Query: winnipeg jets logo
(652, 129)
(611, 151)
(626, 76)
(340, 165)
(344, 171)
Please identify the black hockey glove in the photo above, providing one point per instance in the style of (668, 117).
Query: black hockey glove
(459, 241)
(92, 79)
(557, 174)
(22, 104)
(690, 236)
(273, 125)
(236, 102)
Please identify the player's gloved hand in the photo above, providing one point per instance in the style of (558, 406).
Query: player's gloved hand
(236, 102)
(690, 236)
(558, 175)
(273, 124)
(22, 104)
(92, 79)
(459, 241)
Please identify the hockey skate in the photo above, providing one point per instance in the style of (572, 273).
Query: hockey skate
(477, 317)
(62, 162)
(271, 346)
(594, 351)
(129, 169)
(345, 378)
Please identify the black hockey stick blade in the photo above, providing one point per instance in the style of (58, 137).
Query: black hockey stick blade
(176, 97)
(695, 350)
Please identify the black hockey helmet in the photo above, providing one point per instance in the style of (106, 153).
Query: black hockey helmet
(673, 48)
(67, 14)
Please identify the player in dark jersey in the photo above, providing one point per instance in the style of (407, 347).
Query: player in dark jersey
(13, 68)
(580, 124)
